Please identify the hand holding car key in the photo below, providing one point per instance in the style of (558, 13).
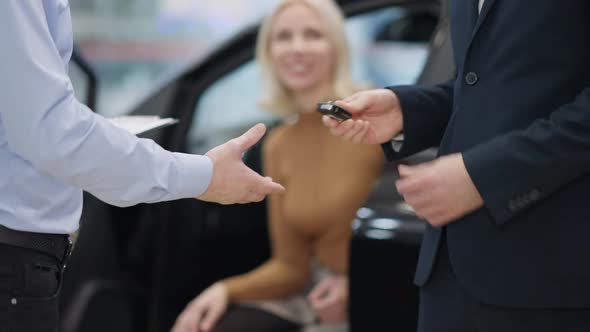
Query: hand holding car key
(375, 117)
(335, 112)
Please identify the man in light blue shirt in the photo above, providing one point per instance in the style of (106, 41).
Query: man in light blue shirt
(52, 147)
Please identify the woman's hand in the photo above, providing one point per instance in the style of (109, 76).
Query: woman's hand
(202, 313)
(329, 299)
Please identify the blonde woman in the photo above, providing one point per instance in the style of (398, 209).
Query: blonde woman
(303, 55)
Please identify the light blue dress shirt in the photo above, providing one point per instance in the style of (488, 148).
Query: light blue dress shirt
(52, 147)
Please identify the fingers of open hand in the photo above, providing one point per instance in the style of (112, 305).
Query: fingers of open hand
(259, 187)
(190, 318)
(252, 196)
(272, 187)
(248, 186)
(250, 137)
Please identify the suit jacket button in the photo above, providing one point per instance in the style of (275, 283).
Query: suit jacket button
(471, 78)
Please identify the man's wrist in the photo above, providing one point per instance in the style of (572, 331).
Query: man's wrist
(194, 175)
(398, 117)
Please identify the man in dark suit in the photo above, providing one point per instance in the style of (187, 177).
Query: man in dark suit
(507, 247)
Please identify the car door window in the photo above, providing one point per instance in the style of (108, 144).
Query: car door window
(388, 47)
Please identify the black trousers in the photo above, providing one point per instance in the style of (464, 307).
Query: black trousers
(246, 319)
(445, 306)
(30, 282)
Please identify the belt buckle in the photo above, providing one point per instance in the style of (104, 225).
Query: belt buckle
(67, 254)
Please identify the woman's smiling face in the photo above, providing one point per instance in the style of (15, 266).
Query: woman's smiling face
(300, 50)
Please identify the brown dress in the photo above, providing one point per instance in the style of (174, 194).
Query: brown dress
(327, 180)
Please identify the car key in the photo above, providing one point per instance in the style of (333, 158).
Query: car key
(334, 111)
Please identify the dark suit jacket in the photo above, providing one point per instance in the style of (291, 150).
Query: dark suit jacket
(519, 112)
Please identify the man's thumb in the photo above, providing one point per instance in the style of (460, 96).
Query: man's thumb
(251, 137)
(353, 106)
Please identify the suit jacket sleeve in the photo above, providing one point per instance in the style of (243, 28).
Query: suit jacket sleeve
(517, 169)
(426, 111)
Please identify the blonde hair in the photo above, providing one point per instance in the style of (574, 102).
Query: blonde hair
(275, 96)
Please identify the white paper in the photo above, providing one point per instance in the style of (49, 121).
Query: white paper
(137, 124)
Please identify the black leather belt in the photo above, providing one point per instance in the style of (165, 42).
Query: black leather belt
(56, 245)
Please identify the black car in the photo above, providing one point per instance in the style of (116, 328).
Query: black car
(134, 269)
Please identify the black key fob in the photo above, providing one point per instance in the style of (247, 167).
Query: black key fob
(333, 111)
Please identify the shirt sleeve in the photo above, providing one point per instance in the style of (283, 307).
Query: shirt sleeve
(44, 124)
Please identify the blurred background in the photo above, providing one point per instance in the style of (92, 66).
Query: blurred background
(134, 45)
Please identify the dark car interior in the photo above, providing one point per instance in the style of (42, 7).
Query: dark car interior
(134, 269)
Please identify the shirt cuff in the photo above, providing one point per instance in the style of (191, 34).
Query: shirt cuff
(194, 175)
(397, 142)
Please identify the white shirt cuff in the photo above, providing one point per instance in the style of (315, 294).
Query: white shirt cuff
(397, 142)
(194, 176)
